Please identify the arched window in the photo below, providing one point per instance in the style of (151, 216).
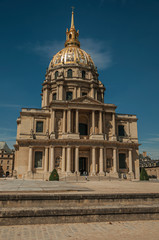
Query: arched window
(56, 74)
(69, 73)
(83, 74)
(68, 95)
(54, 96)
(70, 36)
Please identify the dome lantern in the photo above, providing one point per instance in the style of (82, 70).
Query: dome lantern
(72, 34)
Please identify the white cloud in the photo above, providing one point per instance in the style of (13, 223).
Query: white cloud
(99, 51)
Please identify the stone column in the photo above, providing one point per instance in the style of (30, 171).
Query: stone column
(92, 92)
(63, 159)
(93, 161)
(130, 161)
(93, 122)
(52, 159)
(46, 159)
(79, 92)
(64, 121)
(115, 160)
(105, 159)
(100, 122)
(113, 119)
(60, 92)
(77, 121)
(101, 172)
(77, 159)
(57, 93)
(30, 162)
(69, 121)
(53, 121)
(68, 160)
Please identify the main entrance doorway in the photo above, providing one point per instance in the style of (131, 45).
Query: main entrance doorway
(83, 166)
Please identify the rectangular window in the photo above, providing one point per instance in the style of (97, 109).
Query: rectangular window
(38, 159)
(84, 93)
(39, 126)
(121, 131)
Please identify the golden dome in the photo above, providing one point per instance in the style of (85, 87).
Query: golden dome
(72, 53)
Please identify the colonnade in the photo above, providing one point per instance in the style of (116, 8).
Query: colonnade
(49, 159)
(67, 115)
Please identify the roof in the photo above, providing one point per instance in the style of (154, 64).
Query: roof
(4, 146)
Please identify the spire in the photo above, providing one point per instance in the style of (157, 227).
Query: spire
(72, 19)
(72, 34)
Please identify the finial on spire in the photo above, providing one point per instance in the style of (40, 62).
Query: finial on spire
(72, 19)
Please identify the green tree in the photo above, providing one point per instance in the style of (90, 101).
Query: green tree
(144, 175)
(54, 176)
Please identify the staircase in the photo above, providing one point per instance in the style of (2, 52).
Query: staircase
(46, 208)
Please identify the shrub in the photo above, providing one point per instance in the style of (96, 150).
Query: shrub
(54, 176)
(144, 175)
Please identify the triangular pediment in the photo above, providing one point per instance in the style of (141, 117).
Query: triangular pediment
(86, 99)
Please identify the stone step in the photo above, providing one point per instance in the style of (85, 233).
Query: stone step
(89, 178)
(75, 200)
(37, 215)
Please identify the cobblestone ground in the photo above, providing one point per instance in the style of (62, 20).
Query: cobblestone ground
(138, 230)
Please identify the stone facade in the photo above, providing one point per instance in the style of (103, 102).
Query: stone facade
(6, 160)
(75, 131)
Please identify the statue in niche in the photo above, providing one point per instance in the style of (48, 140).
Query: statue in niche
(108, 127)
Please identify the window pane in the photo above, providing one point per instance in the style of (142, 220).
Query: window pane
(121, 131)
(39, 126)
(68, 95)
(38, 159)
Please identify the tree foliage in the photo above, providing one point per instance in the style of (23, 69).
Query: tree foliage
(54, 176)
(144, 175)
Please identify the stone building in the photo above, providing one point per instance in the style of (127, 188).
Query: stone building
(6, 160)
(75, 131)
(151, 166)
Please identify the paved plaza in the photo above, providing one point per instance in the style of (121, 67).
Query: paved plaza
(113, 186)
(129, 230)
(138, 230)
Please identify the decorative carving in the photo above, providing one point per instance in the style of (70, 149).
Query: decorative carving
(32, 135)
(47, 134)
(109, 126)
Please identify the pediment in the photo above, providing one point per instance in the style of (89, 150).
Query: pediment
(86, 99)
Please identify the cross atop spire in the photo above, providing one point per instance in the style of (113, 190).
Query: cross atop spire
(72, 19)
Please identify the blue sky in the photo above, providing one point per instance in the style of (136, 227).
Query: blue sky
(122, 37)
